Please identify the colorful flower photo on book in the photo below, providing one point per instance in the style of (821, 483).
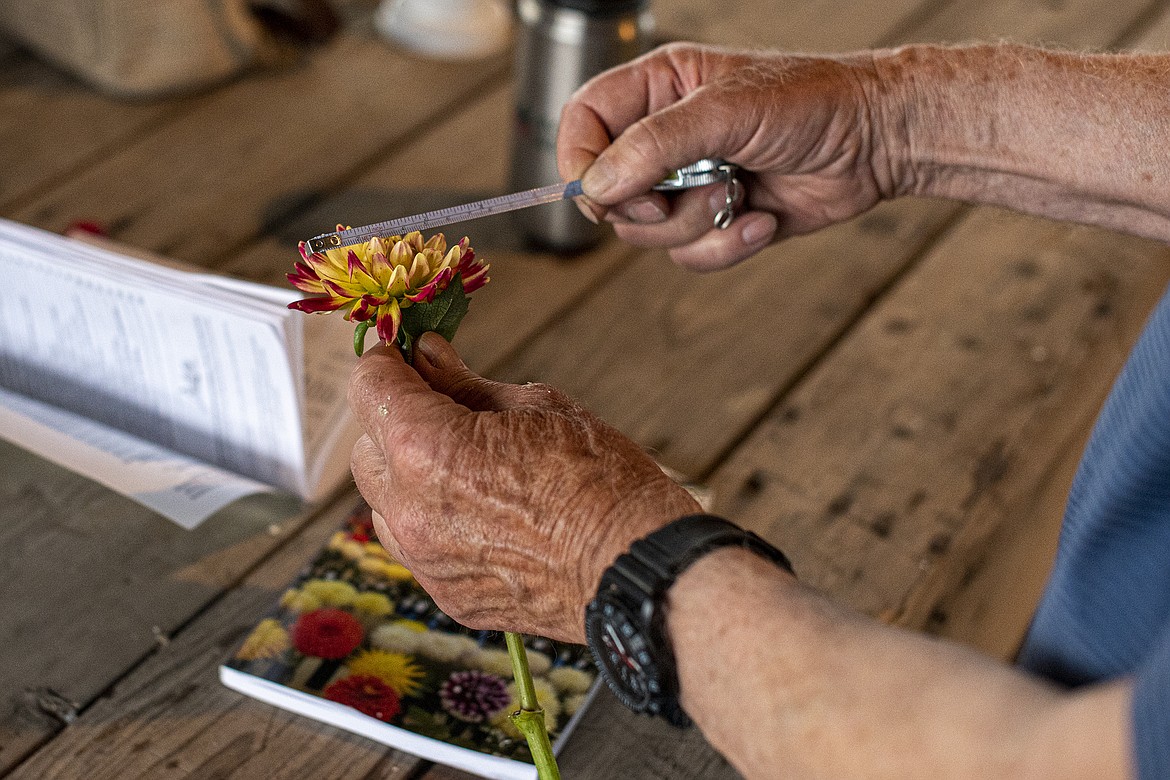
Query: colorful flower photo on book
(356, 629)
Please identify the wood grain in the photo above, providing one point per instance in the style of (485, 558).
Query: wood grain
(200, 187)
(813, 25)
(51, 125)
(92, 580)
(948, 412)
(173, 718)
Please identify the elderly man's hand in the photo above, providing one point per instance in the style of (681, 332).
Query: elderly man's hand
(507, 502)
(809, 132)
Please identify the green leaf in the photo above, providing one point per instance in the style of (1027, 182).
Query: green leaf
(442, 315)
(359, 336)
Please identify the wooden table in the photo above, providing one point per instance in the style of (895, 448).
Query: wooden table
(898, 402)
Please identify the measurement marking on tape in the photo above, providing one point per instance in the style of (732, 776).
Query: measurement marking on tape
(450, 215)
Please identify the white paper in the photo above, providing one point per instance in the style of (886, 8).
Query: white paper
(176, 487)
(204, 367)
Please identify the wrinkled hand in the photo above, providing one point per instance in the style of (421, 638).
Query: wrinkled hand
(506, 502)
(808, 132)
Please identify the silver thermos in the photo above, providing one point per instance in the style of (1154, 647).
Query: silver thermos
(560, 46)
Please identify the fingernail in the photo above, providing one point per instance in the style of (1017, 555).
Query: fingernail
(434, 349)
(586, 207)
(759, 229)
(643, 211)
(598, 179)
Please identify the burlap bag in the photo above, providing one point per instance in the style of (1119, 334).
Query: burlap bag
(139, 48)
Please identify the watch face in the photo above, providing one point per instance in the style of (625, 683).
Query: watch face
(622, 651)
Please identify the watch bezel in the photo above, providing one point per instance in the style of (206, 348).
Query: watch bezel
(660, 676)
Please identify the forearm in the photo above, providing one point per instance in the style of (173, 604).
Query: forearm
(1082, 137)
(785, 683)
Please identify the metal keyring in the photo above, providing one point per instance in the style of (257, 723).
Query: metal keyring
(734, 189)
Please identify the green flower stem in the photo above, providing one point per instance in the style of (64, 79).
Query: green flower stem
(529, 721)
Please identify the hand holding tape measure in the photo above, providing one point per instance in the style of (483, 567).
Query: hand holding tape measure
(698, 174)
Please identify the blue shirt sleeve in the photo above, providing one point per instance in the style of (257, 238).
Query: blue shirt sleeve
(1151, 714)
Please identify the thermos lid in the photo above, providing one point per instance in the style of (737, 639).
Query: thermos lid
(602, 7)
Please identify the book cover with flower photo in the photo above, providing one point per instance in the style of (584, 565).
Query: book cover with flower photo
(356, 643)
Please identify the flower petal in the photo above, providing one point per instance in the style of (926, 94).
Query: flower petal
(313, 305)
(340, 290)
(476, 279)
(305, 285)
(398, 282)
(437, 242)
(401, 254)
(354, 263)
(389, 318)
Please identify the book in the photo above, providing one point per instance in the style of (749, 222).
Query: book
(181, 389)
(356, 643)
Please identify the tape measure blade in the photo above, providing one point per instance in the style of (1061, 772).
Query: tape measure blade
(450, 215)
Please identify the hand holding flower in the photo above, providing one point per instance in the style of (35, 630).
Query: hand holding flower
(506, 501)
(457, 465)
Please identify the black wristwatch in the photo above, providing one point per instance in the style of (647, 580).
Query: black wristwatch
(625, 624)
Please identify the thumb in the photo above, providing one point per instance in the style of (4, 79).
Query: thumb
(440, 365)
(385, 394)
(692, 129)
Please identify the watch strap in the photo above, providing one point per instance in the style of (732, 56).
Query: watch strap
(668, 551)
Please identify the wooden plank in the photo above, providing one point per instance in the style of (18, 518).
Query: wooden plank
(815, 25)
(949, 411)
(685, 364)
(173, 718)
(991, 605)
(198, 188)
(51, 124)
(1076, 24)
(92, 579)
(1156, 35)
(611, 742)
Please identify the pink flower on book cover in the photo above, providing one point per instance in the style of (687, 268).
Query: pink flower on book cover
(327, 633)
(367, 694)
(474, 696)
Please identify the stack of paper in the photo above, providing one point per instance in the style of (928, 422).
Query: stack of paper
(182, 390)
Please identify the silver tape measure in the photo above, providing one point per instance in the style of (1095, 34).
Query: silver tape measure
(697, 174)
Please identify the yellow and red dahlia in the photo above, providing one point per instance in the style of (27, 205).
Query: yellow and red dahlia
(381, 277)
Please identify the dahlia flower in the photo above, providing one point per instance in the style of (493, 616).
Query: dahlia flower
(398, 670)
(268, 640)
(380, 280)
(327, 633)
